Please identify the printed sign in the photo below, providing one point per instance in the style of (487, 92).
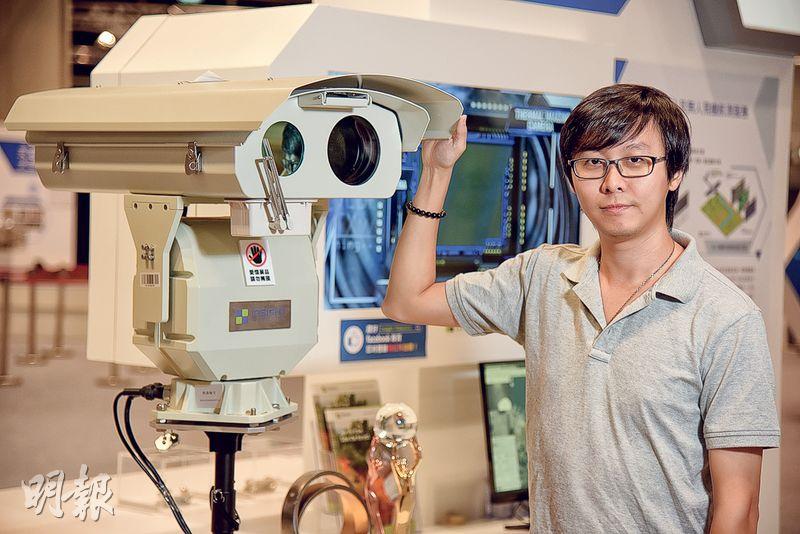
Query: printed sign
(377, 339)
(257, 262)
(725, 197)
(536, 120)
(19, 155)
(37, 224)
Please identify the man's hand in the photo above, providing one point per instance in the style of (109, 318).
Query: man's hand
(443, 153)
(735, 484)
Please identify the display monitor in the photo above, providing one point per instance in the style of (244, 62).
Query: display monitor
(507, 195)
(503, 393)
(477, 207)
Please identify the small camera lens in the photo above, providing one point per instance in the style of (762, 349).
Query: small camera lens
(353, 150)
(286, 144)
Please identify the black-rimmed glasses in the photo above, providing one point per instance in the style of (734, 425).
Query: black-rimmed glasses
(629, 167)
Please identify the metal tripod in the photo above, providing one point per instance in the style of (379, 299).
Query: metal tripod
(222, 497)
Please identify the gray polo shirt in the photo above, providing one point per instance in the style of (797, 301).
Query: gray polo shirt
(620, 416)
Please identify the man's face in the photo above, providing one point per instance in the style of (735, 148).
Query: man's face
(622, 207)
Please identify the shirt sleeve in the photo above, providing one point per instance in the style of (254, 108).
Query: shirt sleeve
(492, 301)
(738, 395)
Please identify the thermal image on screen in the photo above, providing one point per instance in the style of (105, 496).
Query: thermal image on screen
(506, 196)
(476, 205)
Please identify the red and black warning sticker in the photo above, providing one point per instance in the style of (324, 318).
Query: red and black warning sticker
(257, 262)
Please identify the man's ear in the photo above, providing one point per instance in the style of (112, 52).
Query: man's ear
(675, 183)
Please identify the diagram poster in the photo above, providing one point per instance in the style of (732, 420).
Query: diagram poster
(36, 225)
(725, 197)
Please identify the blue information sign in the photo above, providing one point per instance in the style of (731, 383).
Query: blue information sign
(19, 155)
(378, 339)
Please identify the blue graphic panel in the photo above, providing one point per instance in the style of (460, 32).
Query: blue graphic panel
(619, 68)
(507, 195)
(379, 339)
(609, 7)
(19, 155)
(793, 272)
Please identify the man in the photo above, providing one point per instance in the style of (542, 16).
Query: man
(650, 392)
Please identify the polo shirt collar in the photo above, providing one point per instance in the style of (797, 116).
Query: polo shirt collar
(587, 265)
(585, 273)
(680, 282)
(683, 279)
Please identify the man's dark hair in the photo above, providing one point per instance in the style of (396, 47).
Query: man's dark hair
(617, 113)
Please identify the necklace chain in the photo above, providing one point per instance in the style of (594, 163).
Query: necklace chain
(640, 285)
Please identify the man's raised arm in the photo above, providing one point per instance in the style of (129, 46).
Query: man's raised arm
(413, 295)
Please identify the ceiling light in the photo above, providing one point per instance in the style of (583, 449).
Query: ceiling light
(106, 39)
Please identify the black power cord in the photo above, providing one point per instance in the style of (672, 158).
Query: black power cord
(149, 392)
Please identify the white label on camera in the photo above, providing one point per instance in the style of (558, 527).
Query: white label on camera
(208, 396)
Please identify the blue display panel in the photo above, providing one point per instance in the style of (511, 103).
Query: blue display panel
(507, 195)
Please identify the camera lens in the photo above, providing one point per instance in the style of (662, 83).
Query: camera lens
(353, 150)
(286, 144)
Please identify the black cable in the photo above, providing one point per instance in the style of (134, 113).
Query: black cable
(151, 473)
(122, 437)
(149, 392)
(143, 457)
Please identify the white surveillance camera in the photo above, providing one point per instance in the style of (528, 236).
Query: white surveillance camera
(214, 309)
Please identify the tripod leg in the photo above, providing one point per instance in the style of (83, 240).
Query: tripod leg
(225, 445)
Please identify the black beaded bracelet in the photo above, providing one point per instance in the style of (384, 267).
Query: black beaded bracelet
(422, 213)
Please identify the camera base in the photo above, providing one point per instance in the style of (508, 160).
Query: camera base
(236, 404)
